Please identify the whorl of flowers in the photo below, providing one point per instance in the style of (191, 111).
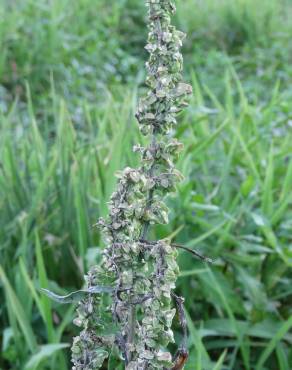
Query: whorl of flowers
(135, 319)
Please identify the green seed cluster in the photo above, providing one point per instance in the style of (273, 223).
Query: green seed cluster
(136, 319)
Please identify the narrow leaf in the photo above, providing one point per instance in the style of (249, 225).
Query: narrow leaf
(45, 351)
(76, 296)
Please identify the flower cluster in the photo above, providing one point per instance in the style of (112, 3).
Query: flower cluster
(136, 318)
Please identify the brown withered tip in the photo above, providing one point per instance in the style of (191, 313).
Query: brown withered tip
(181, 359)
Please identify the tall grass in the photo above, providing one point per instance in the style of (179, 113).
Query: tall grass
(234, 206)
(63, 136)
(232, 24)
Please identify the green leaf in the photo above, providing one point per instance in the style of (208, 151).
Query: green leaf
(45, 351)
(7, 336)
(114, 361)
(224, 327)
(43, 279)
(18, 310)
(220, 362)
(286, 326)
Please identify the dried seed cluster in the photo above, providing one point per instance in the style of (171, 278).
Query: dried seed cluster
(137, 317)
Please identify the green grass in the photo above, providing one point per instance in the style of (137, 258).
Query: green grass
(69, 80)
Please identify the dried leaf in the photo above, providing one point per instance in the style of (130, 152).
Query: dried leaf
(76, 296)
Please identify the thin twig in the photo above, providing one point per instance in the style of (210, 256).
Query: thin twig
(175, 245)
(194, 252)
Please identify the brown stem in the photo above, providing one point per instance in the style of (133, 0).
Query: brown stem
(192, 251)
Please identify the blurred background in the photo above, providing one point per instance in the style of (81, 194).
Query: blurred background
(70, 75)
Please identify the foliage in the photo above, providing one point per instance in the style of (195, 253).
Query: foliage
(62, 131)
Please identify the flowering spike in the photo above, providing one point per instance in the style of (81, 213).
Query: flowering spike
(136, 318)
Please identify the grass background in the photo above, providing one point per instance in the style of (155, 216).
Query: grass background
(70, 74)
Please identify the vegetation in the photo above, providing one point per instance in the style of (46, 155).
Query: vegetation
(69, 74)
